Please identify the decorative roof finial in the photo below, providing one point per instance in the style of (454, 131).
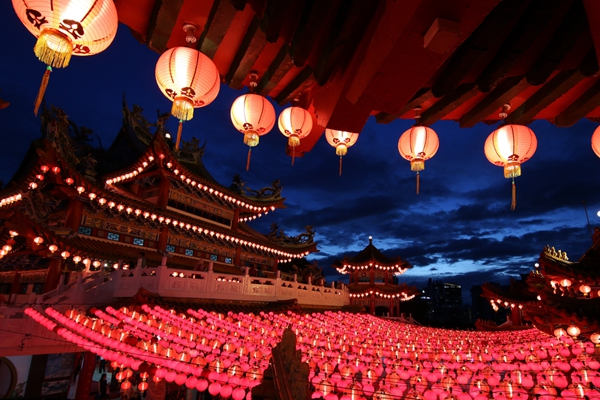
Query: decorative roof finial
(370, 239)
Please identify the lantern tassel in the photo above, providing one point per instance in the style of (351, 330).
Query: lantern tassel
(248, 159)
(513, 203)
(179, 129)
(42, 91)
(293, 154)
(418, 182)
(340, 166)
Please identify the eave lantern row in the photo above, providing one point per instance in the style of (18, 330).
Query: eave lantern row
(67, 27)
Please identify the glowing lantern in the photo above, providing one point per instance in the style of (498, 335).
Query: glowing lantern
(295, 123)
(585, 289)
(596, 141)
(341, 140)
(190, 79)
(254, 116)
(595, 338)
(509, 146)
(52, 248)
(38, 240)
(565, 283)
(573, 331)
(417, 145)
(67, 27)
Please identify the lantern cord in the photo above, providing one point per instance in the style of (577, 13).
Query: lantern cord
(179, 129)
(42, 91)
(513, 203)
(340, 166)
(418, 182)
(248, 159)
(293, 154)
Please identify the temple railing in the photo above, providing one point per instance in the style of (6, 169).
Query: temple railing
(179, 283)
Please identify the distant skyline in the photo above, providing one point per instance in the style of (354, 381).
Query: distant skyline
(459, 229)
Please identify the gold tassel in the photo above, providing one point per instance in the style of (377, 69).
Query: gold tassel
(340, 166)
(248, 159)
(418, 182)
(513, 203)
(293, 155)
(42, 91)
(179, 129)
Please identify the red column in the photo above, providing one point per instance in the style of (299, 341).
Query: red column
(516, 316)
(53, 274)
(163, 193)
(238, 256)
(74, 213)
(84, 385)
(162, 237)
(236, 217)
(15, 288)
(372, 303)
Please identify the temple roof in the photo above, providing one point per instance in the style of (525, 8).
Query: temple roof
(351, 59)
(369, 257)
(387, 288)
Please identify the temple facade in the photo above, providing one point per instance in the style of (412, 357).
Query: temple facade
(373, 285)
(559, 297)
(72, 208)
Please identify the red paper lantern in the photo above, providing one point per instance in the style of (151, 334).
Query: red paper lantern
(295, 123)
(254, 116)
(510, 146)
(341, 140)
(417, 145)
(67, 27)
(190, 79)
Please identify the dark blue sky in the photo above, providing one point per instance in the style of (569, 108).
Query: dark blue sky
(459, 229)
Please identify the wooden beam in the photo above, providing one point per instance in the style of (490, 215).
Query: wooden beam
(519, 41)
(476, 46)
(589, 65)
(274, 18)
(448, 103)
(161, 24)
(219, 20)
(253, 43)
(296, 85)
(278, 68)
(308, 30)
(580, 107)
(423, 95)
(503, 93)
(546, 95)
(570, 31)
(349, 25)
(592, 8)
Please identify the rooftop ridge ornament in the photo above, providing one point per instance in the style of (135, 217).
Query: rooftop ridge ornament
(253, 115)
(64, 28)
(418, 144)
(341, 140)
(509, 146)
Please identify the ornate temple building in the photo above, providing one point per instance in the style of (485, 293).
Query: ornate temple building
(559, 297)
(70, 207)
(372, 281)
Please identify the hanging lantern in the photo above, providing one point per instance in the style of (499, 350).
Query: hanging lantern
(417, 145)
(254, 116)
(295, 123)
(596, 141)
(67, 27)
(341, 140)
(509, 146)
(190, 79)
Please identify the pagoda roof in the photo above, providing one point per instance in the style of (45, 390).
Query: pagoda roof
(555, 264)
(372, 257)
(402, 291)
(517, 293)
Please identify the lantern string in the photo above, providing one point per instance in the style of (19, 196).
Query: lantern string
(418, 181)
(42, 90)
(513, 203)
(179, 130)
(248, 159)
(340, 166)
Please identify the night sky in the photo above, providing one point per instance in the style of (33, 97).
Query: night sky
(460, 229)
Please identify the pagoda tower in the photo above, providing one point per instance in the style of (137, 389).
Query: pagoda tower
(372, 281)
